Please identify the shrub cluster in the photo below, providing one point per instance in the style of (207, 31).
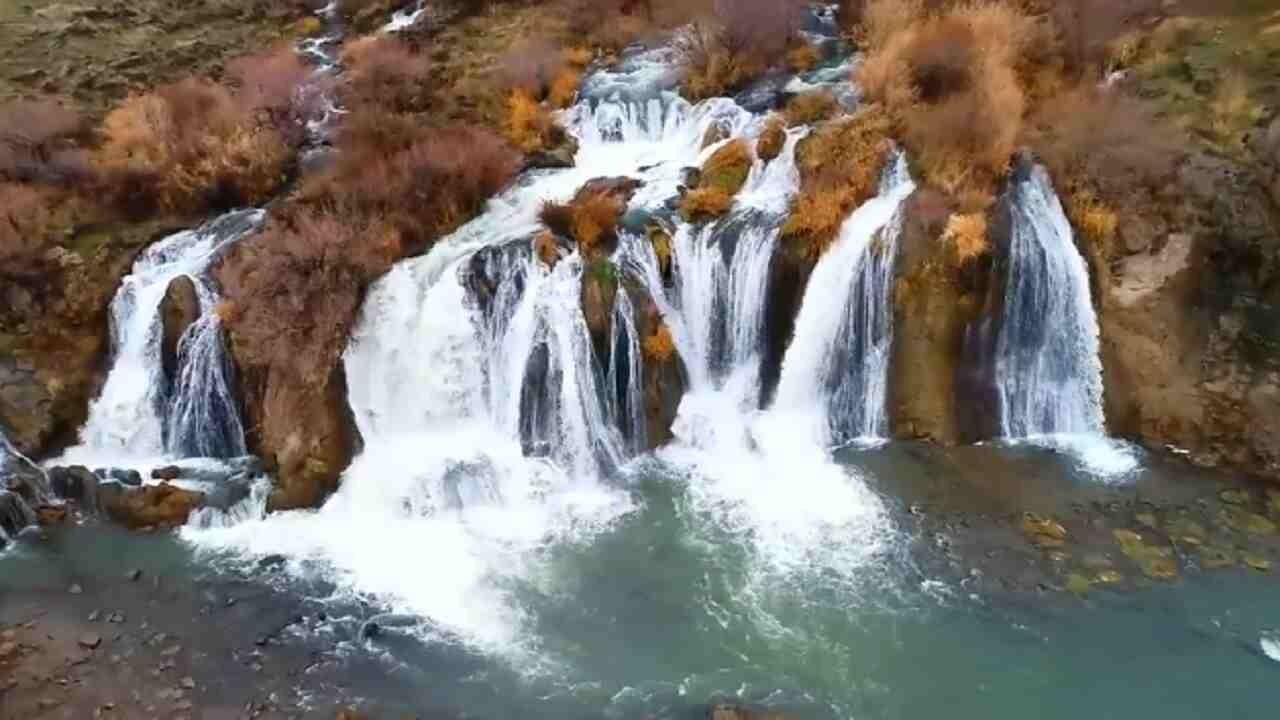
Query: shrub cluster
(197, 145)
(738, 42)
(840, 165)
(722, 176)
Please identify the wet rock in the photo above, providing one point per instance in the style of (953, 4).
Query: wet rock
(561, 156)
(1235, 496)
(1043, 531)
(15, 514)
(1215, 558)
(179, 309)
(728, 711)
(75, 589)
(90, 641)
(1078, 584)
(1155, 562)
(132, 478)
(50, 515)
(162, 505)
(1246, 522)
(168, 472)
(226, 494)
(1256, 562)
(1108, 577)
(73, 483)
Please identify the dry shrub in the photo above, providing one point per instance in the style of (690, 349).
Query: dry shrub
(294, 289)
(530, 126)
(660, 347)
(966, 236)
(728, 167)
(660, 239)
(386, 72)
(591, 219)
(33, 139)
(1104, 137)
(1232, 111)
(811, 107)
(1088, 30)
(531, 66)
(772, 138)
(740, 41)
(195, 144)
(1094, 219)
(705, 203)
(840, 166)
(547, 249)
(423, 181)
(578, 57)
(25, 222)
(803, 57)
(564, 89)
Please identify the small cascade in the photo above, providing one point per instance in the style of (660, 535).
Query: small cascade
(203, 418)
(1048, 371)
(623, 388)
(137, 413)
(22, 482)
(836, 369)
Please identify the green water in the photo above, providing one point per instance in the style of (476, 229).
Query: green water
(670, 609)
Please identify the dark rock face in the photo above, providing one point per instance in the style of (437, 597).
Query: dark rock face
(178, 310)
(934, 371)
(54, 331)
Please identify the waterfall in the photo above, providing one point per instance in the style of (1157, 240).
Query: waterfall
(491, 426)
(623, 388)
(836, 369)
(19, 477)
(136, 414)
(1048, 372)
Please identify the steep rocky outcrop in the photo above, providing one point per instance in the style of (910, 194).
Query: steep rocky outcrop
(1190, 312)
(934, 303)
(54, 331)
(178, 310)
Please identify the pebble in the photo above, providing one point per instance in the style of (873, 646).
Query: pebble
(7, 649)
(116, 617)
(171, 651)
(75, 590)
(90, 640)
(135, 575)
(189, 683)
(93, 616)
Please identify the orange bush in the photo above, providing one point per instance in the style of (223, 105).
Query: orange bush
(705, 203)
(728, 167)
(772, 139)
(590, 219)
(811, 107)
(530, 126)
(564, 89)
(660, 347)
(966, 236)
(195, 145)
(840, 165)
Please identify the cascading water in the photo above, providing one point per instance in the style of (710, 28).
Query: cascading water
(21, 482)
(137, 415)
(492, 429)
(1048, 371)
(835, 371)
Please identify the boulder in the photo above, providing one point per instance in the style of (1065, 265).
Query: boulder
(168, 472)
(15, 514)
(179, 309)
(162, 505)
(73, 483)
(558, 157)
(226, 494)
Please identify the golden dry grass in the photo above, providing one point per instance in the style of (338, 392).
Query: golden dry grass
(564, 88)
(803, 57)
(1093, 219)
(530, 126)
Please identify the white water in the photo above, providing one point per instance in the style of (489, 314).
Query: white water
(491, 430)
(1048, 368)
(134, 420)
(835, 373)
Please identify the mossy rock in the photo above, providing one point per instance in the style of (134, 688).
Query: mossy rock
(1108, 577)
(1246, 522)
(1043, 531)
(1216, 558)
(1235, 496)
(1256, 562)
(1078, 584)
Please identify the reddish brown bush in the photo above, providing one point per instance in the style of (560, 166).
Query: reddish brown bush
(531, 66)
(293, 290)
(1103, 136)
(738, 42)
(424, 182)
(591, 219)
(269, 87)
(1087, 27)
(388, 73)
(32, 141)
(195, 144)
(25, 220)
